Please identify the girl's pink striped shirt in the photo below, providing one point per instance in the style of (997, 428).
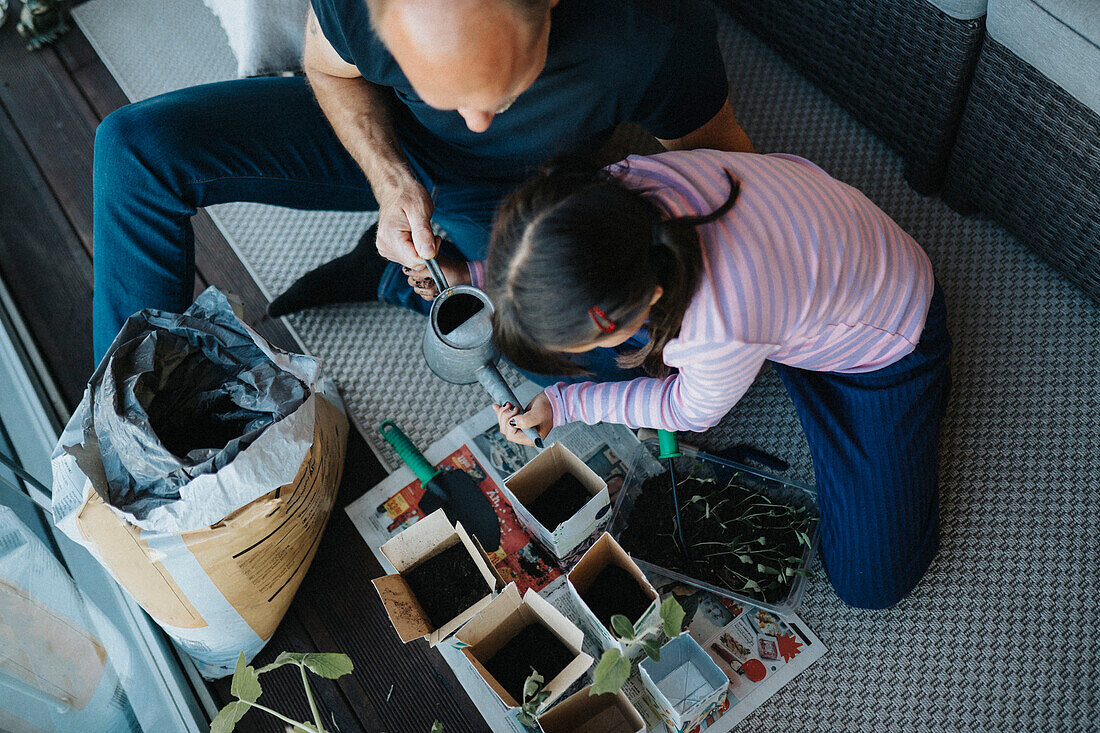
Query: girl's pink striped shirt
(804, 270)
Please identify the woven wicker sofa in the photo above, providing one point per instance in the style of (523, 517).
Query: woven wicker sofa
(1007, 121)
(1028, 148)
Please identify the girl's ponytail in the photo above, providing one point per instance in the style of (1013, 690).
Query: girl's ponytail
(679, 261)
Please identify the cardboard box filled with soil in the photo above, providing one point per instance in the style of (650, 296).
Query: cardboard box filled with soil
(513, 636)
(582, 712)
(750, 536)
(606, 582)
(559, 500)
(442, 579)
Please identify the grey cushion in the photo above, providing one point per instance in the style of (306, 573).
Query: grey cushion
(961, 9)
(1059, 38)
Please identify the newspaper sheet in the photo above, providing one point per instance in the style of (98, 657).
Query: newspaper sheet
(758, 652)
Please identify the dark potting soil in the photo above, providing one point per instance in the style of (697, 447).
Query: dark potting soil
(534, 646)
(651, 529)
(560, 501)
(446, 584)
(614, 590)
(456, 310)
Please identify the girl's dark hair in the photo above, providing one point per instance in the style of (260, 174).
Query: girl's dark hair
(574, 238)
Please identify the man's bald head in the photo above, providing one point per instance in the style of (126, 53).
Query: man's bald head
(473, 56)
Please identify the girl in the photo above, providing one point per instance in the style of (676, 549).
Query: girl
(714, 263)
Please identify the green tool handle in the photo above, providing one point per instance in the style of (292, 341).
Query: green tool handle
(670, 447)
(408, 452)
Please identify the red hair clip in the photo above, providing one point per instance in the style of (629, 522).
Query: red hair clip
(605, 324)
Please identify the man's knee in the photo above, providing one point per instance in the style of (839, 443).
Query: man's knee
(137, 138)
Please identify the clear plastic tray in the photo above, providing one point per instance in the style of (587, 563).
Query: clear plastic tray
(722, 470)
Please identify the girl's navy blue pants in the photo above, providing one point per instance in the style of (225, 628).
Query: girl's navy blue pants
(874, 439)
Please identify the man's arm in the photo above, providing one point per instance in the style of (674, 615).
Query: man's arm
(356, 110)
(721, 132)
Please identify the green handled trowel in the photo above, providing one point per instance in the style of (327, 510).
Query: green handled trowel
(670, 449)
(452, 490)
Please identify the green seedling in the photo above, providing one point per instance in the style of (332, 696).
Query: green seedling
(613, 669)
(533, 698)
(245, 686)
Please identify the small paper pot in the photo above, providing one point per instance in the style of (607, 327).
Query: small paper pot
(686, 685)
(528, 483)
(500, 621)
(426, 539)
(584, 713)
(606, 551)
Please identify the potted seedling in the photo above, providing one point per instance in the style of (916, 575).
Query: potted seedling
(750, 536)
(559, 500)
(525, 650)
(685, 684)
(442, 579)
(606, 583)
(613, 669)
(583, 712)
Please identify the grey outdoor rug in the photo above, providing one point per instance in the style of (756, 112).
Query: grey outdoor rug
(1002, 633)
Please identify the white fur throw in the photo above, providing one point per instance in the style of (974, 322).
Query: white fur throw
(266, 35)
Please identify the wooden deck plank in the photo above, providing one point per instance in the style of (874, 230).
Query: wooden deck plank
(44, 267)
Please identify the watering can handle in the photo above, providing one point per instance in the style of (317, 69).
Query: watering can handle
(408, 451)
(669, 445)
(501, 393)
(437, 274)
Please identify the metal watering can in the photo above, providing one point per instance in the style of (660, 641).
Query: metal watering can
(458, 342)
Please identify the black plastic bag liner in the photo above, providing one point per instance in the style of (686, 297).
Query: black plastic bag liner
(178, 396)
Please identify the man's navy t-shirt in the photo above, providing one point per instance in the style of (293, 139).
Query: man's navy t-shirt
(653, 62)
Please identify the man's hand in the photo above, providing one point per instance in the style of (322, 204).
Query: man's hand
(405, 223)
(539, 415)
(357, 111)
(420, 280)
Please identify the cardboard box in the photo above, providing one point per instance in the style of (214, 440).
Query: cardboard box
(424, 540)
(528, 483)
(585, 713)
(504, 617)
(606, 552)
(686, 685)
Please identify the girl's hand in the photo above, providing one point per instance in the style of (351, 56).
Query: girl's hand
(539, 415)
(421, 281)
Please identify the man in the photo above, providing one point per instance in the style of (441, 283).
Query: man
(422, 109)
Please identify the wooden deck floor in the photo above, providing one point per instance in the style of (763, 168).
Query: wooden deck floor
(50, 103)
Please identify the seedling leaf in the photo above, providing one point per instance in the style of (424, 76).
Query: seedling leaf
(622, 626)
(246, 682)
(533, 697)
(437, 727)
(672, 616)
(228, 717)
(652, 649)
(532, 685)
(611, 673)
(328, 665)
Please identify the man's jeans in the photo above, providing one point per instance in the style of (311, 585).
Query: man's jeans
(260, 140)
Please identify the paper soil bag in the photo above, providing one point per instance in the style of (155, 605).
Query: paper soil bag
(54, 670)
(200, 469)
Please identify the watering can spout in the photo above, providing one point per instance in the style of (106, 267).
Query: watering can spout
(501, 393)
